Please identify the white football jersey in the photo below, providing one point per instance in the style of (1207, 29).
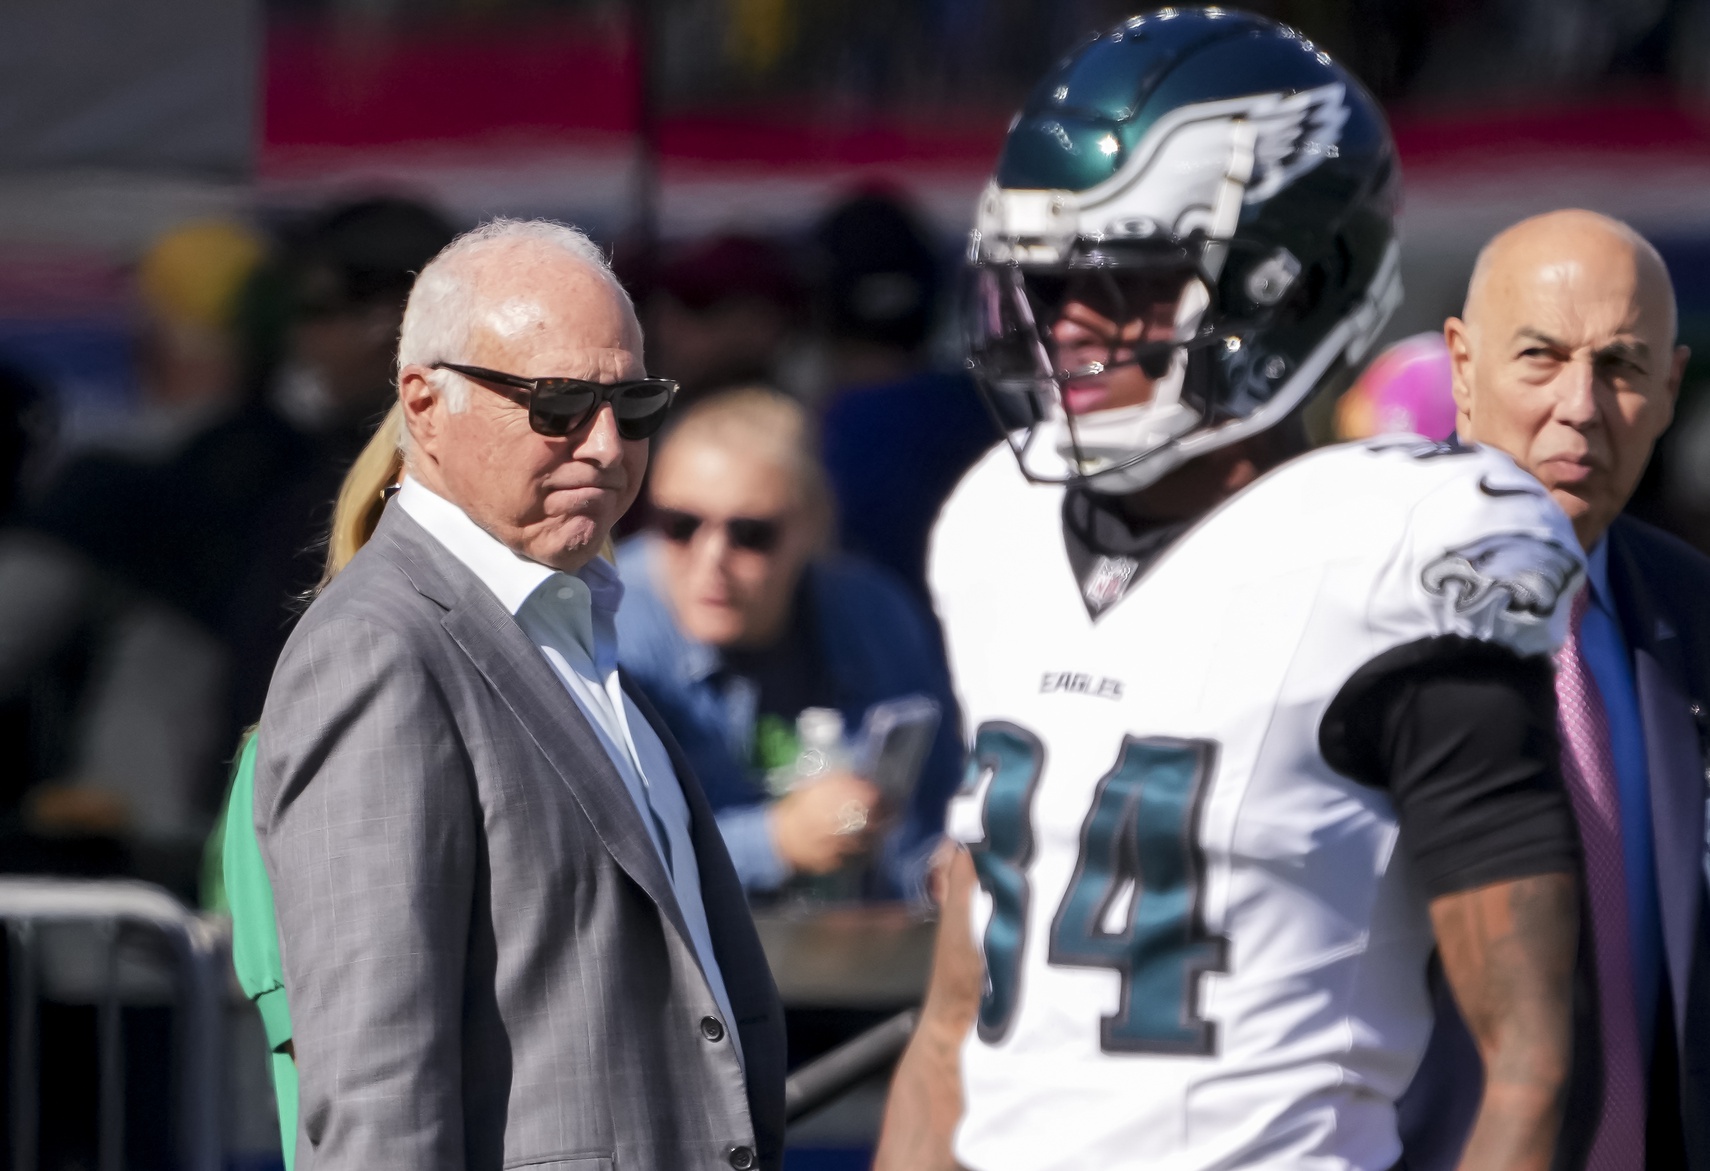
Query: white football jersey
(1202, 947)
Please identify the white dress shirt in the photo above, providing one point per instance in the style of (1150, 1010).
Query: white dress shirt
(571, 618)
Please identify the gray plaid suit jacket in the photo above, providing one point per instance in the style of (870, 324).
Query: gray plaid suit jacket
(484, 958)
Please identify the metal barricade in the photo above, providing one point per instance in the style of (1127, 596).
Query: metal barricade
(102, 912)
(835, 1073)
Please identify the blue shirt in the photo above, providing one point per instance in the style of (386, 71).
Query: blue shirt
(894, 451)
(1606, 655)
(876, 645)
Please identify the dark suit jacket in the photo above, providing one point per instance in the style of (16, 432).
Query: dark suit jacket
(486, 964)
(1661, 588)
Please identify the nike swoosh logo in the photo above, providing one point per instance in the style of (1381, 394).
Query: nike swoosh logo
(1489, 489)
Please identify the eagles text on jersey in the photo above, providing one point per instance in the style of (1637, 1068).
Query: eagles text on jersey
(1202, 947)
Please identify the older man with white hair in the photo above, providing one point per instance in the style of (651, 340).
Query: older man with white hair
(511, 934)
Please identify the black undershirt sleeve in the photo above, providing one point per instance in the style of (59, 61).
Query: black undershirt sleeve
(1462, 733)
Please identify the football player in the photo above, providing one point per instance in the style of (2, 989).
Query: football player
(1252, 742)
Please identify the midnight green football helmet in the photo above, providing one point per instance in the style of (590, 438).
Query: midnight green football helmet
(1215, 179)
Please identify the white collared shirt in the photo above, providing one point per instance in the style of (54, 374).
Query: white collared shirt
(571, 618)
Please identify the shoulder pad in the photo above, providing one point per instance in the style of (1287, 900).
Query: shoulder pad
(1492, 556)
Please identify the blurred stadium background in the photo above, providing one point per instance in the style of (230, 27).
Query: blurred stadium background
(681, 117)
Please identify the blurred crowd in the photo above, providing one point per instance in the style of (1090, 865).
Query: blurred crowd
(149, 579)
(897, 53)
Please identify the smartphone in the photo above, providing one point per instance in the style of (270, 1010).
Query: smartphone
(896, 737)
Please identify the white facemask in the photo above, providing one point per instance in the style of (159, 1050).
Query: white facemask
(1103, 440)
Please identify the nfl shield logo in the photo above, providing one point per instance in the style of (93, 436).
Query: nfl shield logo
(1108, 582)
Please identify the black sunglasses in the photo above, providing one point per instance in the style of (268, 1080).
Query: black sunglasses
(752, 533)
(558, 406)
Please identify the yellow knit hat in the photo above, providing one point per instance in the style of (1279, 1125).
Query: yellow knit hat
(193, 274)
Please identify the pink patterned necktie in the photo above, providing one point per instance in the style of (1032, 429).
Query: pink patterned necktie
(1588, 768)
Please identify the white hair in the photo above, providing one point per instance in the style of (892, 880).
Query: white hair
(443, 303)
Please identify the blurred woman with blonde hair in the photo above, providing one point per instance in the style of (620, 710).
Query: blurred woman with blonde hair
(248, 893)
(738, 617)
(372, 477)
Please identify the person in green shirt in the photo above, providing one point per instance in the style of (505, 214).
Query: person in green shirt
(235, 877)
(255, 938)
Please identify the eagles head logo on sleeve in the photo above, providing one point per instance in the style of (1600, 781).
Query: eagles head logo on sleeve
(1505, 576)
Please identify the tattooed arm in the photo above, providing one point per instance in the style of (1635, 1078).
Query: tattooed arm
(1462, 736)
(925, 1101)
(1508, 951)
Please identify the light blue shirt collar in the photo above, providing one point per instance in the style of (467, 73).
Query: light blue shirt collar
(586, 601)
(510, 578)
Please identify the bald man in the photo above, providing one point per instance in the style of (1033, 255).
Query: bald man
(511, 934)
(1566, 358)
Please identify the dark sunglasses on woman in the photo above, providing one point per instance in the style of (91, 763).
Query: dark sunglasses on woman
(751, 533)
(558, 406)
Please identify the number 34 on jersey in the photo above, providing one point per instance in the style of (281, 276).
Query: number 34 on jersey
(1133, 903)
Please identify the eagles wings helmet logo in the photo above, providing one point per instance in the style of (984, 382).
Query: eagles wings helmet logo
(1193, 171)
(1515, 573)
(1296, 133)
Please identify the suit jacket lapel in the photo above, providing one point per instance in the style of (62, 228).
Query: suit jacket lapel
(520, 676)
(1676, 770)
(736, 943)
(721, 889)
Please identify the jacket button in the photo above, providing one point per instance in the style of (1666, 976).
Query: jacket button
(742, 1158)
(713, 1030)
